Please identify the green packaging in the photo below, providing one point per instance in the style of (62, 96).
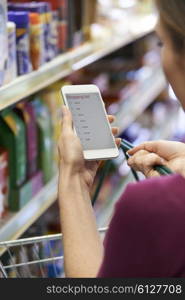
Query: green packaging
(13, 138)
(45, 141)
(23, 194)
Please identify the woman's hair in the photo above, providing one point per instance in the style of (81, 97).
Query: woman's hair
(172, 15)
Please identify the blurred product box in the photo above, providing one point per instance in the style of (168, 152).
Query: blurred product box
(42, 30)
(11, 70)
(53, 99)
(13, 138)
(54, 34)
(45, 141)
(38, 8)
(75, 23)
(3, 40)
(63, 25)
(23, 194)
(54, 247)
(3, 180)
(30, 132)
(59, 24)
(36, 41)
(89, 13)
(26, 112)
(21, 19)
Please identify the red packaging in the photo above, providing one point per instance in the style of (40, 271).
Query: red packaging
(3, 180)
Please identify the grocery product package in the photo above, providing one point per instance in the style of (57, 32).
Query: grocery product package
(3, 180)
(13, 138)
(11, 70)
(21, 19)
(45, 141)
(27, 114)
(3, 40)
(53, 99)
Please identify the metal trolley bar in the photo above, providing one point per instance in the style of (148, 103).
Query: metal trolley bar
(34, 257)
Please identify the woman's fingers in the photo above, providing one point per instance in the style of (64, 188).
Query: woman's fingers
(164, 149)
(148, 146)
(144, 161)
(111, 119)
(67, 122)
(115, 131)
(118, 142)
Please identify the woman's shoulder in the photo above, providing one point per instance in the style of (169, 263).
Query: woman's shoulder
(145, 236)
(153, 193)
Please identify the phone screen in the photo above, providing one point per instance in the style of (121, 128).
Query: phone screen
(90, 121)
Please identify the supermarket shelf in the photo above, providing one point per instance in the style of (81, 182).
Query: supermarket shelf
(166, 132)
(49, 73)
(105, 216)
(16, 224)
(65, 64)
(145, 25)
(135, 105)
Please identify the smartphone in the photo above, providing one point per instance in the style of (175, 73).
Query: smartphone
(90, 121)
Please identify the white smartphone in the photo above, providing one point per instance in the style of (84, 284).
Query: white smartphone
(90, 121)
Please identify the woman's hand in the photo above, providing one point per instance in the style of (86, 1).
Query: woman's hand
(71, 153)
(149, 154)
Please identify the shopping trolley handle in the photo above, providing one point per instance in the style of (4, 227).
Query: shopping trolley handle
(162, 170)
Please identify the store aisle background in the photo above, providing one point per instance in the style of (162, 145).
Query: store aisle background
(108, 43)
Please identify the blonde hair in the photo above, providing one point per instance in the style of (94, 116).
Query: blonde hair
(172, 16)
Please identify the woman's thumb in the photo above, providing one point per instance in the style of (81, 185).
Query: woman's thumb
(67, 123)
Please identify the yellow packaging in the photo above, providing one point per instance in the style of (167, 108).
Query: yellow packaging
(53, 98)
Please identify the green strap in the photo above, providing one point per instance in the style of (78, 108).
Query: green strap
(125, 146)
(105, 171)
(163, 170)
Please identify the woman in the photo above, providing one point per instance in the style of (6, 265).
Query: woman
(146, 237)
